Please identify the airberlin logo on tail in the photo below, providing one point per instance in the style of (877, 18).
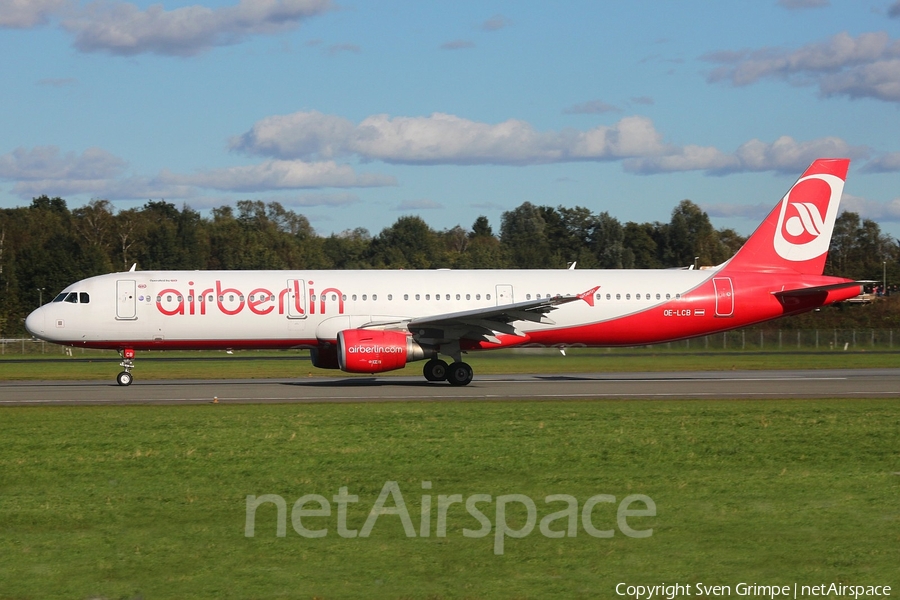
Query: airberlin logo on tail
(807, 217)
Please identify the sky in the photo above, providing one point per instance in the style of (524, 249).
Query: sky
(355, 113)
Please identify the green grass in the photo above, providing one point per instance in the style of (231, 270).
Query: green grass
(99, 365)
(128, 502)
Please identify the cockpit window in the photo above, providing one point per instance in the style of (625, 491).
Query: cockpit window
(72, 297)
(84, 298)
(60, 298)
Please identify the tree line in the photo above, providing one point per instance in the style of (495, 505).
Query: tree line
(47, 246)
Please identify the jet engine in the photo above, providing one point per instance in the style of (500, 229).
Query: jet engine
(376, 351)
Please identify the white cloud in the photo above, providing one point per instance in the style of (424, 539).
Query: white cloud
(894, 10)
(870, 209)
(278, 175)
(24, 14)
(45, 170)
(496, 23)
(122, 28)
(46, 163)
(423, 204)
(784, 155)
(888, 163)
(129, 188)
(867, 66)
(444, 139)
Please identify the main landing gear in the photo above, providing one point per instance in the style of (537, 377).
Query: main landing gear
(125, 377)
(458, 373)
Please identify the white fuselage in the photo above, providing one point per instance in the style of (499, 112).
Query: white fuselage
(282, 309)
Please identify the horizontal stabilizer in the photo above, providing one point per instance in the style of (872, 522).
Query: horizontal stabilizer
(823, 288)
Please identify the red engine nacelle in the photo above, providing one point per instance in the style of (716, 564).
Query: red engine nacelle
(375, 351)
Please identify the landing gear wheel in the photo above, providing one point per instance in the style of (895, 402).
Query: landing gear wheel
(435, 370)
(124, 378)
(459, 373)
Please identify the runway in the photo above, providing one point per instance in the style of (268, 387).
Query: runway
(858, 383)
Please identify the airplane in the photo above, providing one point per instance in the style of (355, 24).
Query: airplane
(379, 320)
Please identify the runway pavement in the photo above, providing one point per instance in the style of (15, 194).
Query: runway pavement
(861, 383)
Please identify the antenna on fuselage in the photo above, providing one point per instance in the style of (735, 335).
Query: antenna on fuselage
(133, 268)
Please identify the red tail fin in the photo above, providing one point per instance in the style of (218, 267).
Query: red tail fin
(796, 234)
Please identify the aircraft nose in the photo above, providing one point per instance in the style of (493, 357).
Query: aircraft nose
(34, 323)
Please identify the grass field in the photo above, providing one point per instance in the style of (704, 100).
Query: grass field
(150, 502)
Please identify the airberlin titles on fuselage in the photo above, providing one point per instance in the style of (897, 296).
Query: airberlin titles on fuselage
(232, 301)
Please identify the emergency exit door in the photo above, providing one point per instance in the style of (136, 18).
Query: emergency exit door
(504, 294)
(724, 296)
(126, 303)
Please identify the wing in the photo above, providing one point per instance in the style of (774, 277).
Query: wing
(483, 324)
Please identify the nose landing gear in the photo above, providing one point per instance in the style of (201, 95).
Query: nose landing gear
(125, 377)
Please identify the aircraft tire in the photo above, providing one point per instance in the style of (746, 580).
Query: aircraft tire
(459, 373)
(435, 370)
(124, 378)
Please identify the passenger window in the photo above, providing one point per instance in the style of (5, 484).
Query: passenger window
(437, 296)
(468, 296)
(609, 296)
(417, 296)
(478, 296)
(457, 296)
(668, 296)
(344, 297)
(599, 296)
(84, 298)
(628, 296)
(448, 297)
(428, 296)
(528, 296)
(487, 296)
(618, 296)
(657, 296)
(365, 296)
(374, 297)
(637, 296)
(390, 297)
(406, 296)
(677, 296)
(353, 297)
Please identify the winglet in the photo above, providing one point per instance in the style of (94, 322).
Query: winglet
(588, 296)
